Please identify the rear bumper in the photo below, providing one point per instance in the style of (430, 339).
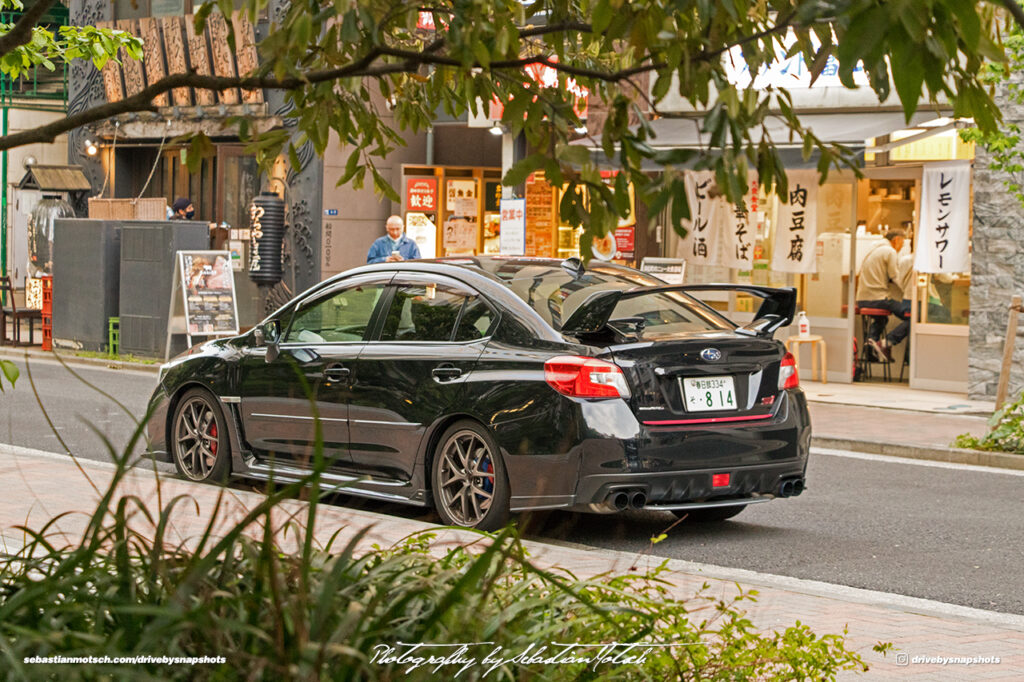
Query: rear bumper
(675, 465)
(604, 449)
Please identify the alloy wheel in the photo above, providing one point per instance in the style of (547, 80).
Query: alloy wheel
(466, 478)
(196, 438)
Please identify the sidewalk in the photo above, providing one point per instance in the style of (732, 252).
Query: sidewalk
(52, 484)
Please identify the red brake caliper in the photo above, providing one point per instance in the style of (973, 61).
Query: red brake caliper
(213, 433)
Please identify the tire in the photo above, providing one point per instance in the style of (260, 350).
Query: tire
(199, 443)
(463, 445)
(710, 514)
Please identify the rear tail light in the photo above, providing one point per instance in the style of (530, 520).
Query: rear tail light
(581, 377)
(787, 372)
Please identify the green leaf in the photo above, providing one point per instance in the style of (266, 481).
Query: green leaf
(10, 370)
(521, 170)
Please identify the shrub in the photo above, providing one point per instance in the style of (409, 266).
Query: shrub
(1005, 434)
(125, 590)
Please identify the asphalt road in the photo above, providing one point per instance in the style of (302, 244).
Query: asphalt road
(78, 413)
(940, 532)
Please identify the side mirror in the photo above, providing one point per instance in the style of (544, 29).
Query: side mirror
(269, 335)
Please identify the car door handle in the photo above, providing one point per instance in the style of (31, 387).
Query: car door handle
(336, 372)
(446, 372)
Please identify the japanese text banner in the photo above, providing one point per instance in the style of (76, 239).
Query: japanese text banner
(797, 229)
(942, 242)
(738, 244)
(700, 246)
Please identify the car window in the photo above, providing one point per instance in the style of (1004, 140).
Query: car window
(476, 320)
(341, 316)
(422, 312)
(555, 294)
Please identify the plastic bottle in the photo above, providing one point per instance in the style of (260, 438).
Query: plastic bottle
(803, 324)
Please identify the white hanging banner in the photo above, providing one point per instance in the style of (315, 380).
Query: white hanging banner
(797, 229)
(738, 244)
(700, 246)
(942, 243)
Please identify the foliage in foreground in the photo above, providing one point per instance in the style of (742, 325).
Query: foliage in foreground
(1005, 431)
(276, 606)
(318, 613)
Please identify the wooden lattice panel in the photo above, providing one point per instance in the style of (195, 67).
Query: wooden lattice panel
(223, 60)
(153, 56)
(134, 78)
(245, 55)
(112, 86)
(198, 52)
(174, 48)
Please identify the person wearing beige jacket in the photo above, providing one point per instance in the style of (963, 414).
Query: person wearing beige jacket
(878, 280)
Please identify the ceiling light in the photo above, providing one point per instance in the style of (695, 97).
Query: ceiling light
(496, 129)
(90, 148)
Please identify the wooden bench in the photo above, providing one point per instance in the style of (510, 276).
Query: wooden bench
(16, 315)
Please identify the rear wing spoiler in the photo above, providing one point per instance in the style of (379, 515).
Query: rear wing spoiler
(778, 307)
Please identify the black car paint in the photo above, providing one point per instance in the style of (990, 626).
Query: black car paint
(558, 451)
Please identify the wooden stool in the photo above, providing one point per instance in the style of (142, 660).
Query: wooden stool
(814, 340)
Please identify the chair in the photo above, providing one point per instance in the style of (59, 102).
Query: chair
(866, 354)
(16, 316)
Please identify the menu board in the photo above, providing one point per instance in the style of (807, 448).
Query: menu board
(540, 217)
(208, 287)
(461, 199)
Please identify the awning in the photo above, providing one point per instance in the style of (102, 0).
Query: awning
(850, 129)
(55, 179)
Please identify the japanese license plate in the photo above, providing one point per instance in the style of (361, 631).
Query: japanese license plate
(708, 393)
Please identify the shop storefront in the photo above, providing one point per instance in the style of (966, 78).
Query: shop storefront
(456, 211)
(818, 240)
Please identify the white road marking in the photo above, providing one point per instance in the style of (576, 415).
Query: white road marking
(889, 459)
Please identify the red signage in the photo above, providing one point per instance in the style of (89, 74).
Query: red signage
(421, 194)
(625, 242)
(547, 77)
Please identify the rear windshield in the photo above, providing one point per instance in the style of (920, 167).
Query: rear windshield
(555, 294)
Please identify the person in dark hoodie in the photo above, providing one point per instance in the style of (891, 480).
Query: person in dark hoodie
(183, 209)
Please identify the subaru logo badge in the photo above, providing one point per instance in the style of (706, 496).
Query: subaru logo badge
(711, 354)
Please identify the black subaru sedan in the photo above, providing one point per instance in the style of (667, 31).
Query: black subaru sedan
(490, 385)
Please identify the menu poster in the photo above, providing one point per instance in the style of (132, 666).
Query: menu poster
(208, 287)
(540, 217)
(461, 198)
(421, 229)
(460, 236)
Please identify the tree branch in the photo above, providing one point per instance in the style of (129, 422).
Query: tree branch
(1014, 9)
(22, 31)
(143, 100)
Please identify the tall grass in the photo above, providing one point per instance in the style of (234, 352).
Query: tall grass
(125, 589)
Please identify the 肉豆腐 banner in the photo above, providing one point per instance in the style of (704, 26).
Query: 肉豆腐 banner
(942, 241)
(796, 229)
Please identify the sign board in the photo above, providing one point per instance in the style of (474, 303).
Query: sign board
(670, 270)
(421, 194)
(460, 236)
(461, 199)
(492, 196)
(208, 292)
(625, 242)
(422, 230)
(512, 236)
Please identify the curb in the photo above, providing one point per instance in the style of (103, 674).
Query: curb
(35, 354)
(1002, 460)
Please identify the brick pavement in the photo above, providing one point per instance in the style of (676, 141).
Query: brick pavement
(47, 485)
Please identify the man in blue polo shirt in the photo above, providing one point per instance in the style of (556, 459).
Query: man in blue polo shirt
(394, 246)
